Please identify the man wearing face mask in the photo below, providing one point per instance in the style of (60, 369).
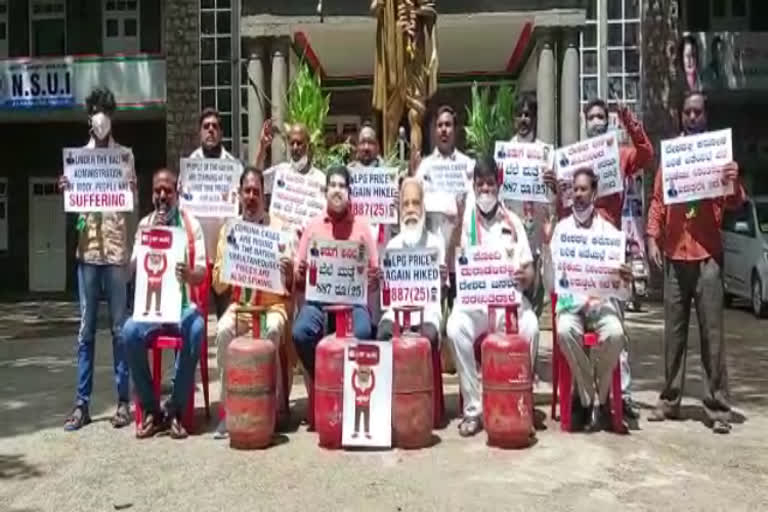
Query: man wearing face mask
(190, 273)
(299, 150)
(489, 224)
(336, 223)
(101, 258)
(688, 237)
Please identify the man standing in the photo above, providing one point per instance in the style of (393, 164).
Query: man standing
(101, 259)
(300, 154)
(688, 237)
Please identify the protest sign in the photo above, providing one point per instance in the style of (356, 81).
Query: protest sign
(411, 278)
(484, 275)
(252, 257)
(99, 180)
(157, 296)
(337, 272)
(692, 166)
(209, 186)
(373, 192)
(446, 176)
(587, 263)
(601, 154)
(523, 165)
(296, 199)
(367, 405)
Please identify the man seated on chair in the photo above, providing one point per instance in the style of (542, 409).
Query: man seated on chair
(336, 223)
(488, 223)
(576, 313)
(277, 306)
(414, 235)
(191, 329)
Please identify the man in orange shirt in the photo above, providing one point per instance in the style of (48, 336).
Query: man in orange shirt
(688, 235)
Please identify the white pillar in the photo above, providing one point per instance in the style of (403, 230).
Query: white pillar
(279, 92)
(255, 80)
(546, 123)
(569, 88)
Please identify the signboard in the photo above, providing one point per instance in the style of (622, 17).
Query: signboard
(587, 263)
(252, 257)
(367, 406)
(484, 275)
(411, 278)
(157, 296)
(209, 186)
(728, 60)
(37, 83)
(99, 180)
(601, 154)
(692, 166)
(296, 199)
(446, 176)
(373, 192)
(337, 272)
(523, 165)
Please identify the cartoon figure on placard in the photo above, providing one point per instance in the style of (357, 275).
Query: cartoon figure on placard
(363, 382)
(155, 264)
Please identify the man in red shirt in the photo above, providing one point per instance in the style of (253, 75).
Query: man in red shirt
(688, 236)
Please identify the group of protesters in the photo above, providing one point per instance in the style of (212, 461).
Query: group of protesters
(683, 240)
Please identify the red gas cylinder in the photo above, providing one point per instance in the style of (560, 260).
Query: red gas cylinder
(507, 384)
(412, 384)
(250, 383)
(329, 378)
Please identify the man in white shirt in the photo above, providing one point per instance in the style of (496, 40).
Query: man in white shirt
(489, 224)
(300, 154)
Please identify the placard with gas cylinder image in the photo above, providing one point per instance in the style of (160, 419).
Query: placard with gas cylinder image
(367, 409)
(99, 179)
(523, 165)
(208, 186)
(485, 275)
(252, 257)
(296, 199)
(601, 154)
(373, 192)
(337, 272)
(158, 293)
(411, 277)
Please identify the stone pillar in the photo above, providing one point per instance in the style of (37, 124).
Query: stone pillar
(279, 91)
(546, 122)
(255, 80)
(569, 88)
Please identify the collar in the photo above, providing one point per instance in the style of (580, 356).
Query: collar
(437, 154)
(375, 163)
(110, 143)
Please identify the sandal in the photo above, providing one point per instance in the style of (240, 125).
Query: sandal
(77, 419)
(177, 429)
(152, 424)
(122, 416)
(721, 427)
(470, 426)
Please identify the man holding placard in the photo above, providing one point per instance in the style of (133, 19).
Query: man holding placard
(252, 261)
(189, 272)
(500, 235)
(99, 181)
(684, 222)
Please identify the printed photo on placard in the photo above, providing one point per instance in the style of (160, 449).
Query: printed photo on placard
(158, 293)
(337, 272)
(99, 179)
(208, 186)
(252, 257)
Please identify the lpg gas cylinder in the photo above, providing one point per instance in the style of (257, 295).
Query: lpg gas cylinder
(507, 384)
(412, 386)
(329, 378)
(250, 387)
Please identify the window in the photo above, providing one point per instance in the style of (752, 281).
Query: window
(729, 15)
(47, 27)
(121, 26)
(624, 54)
(590, 61)
(216, 62)
(3, 29)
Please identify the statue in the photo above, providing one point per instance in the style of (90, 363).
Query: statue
(405, 73)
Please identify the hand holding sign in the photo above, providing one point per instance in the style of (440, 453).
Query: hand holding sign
(731, 172)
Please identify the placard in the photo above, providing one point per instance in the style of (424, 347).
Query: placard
(209, 186)
(446, 176)
(337, 272)
(99, 179)
(373, 192)
(252, 257)
(692, 166)
(36, 83)
(296, 199)
(367, 406)
(587, 263)
(601, 154)
(411, 278)
(484, 275)
(157, 296)
(523, 165)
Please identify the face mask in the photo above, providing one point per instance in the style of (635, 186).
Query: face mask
(164, 213)
(596, 128)
(300, 164)
(100, 125)
(583, 215)
(486, 202)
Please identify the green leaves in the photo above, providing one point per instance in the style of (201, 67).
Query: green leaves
(489, 121)
(306, 103)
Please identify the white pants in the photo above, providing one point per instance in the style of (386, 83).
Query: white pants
(225, 333)
(463, 328)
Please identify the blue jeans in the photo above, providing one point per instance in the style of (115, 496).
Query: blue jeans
(92, 280)
(136, 335)
(310, 326)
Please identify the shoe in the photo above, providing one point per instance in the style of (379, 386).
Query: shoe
(354, 435)
(470, 426)
(221, 430)
(629, 410)
(579, 414)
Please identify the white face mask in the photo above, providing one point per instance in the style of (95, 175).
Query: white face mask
(101, 125)
(300, 164)
(583, 216)
(485, 202)
(595, 128)
(412, 233)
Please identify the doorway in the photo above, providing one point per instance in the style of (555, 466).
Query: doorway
(47, 237)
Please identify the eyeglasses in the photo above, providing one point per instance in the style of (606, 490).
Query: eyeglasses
(210, 126)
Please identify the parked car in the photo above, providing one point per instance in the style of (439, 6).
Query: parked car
(745, 242)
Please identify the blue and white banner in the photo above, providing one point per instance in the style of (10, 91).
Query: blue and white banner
(37, 83)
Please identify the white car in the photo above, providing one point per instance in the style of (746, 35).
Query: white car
(745, 242)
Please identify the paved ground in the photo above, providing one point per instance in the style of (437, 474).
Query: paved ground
(671, 466)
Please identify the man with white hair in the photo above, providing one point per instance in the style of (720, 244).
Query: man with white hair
(413, 235)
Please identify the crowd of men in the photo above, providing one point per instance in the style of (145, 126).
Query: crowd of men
(683, 240)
